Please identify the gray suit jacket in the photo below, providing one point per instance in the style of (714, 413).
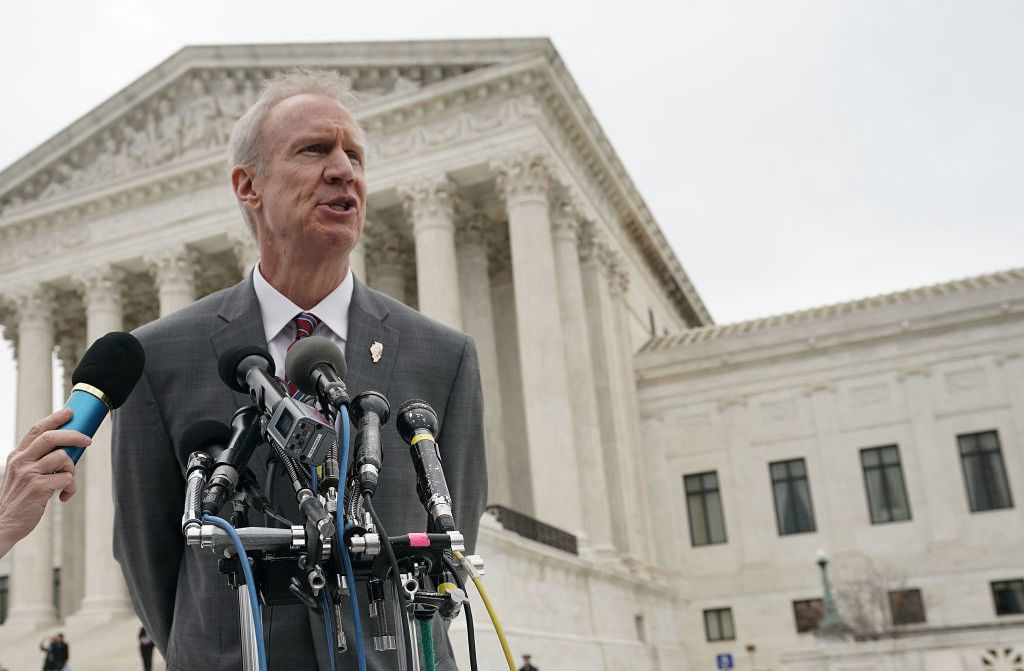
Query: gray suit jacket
(184, 603)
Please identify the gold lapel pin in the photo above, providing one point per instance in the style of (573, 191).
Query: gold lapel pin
(376, 350)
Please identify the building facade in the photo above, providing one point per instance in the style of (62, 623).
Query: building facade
(888, 432)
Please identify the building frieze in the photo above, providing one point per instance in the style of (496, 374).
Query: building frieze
(186, 117)
(27, 239)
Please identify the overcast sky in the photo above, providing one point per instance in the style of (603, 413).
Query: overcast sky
(794, 153)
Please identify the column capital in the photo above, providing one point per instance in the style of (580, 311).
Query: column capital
(428, 198)
(33, 303)
(523, 176)
(595, 249)
(566, 221)
(386, 246)
(100, 286)
(173, 265)
(618, 275)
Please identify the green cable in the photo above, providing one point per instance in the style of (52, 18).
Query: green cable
(427, 645)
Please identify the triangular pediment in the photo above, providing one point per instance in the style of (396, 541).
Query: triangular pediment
(183, 109)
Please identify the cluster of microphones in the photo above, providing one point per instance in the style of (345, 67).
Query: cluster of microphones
(297, 432)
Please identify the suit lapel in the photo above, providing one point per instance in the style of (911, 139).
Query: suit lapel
(366, 327)
(242, 324)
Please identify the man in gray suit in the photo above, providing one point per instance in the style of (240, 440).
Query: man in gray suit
(298, 175)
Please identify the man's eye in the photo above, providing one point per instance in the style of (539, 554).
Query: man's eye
(354, 155)
(316, 148)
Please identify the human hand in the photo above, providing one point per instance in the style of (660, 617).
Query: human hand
(35, 470)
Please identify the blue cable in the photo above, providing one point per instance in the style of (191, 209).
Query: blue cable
(350, 576)
(342, 422)
(329, 625)
(257, 618)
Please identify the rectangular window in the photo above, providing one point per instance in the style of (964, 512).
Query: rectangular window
(906, 606)
(982, 460)
(1009, 597)
(808, 614)
(704, 507)
(793, 510)
(718, 624)
(883, 479)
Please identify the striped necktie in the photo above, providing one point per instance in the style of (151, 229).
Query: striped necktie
(305, 323)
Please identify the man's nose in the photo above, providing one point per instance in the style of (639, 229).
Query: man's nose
(339, 167)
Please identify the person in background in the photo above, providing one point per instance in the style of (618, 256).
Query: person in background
(526, 664)
(35, 470)
(146, 649)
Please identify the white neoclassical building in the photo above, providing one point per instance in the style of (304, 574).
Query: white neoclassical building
(496, 205)
(660, 485)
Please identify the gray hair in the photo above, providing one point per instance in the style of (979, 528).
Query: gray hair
(245, 147)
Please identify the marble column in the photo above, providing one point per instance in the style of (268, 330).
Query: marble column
(524, 182)
(597, 270)
(31, 603)
(106, 596)
(428, 207)
(586, 426)
(244, 247)
(632, 456)
(357, 261)
(173, 272)
(510, 385)
(478, 320)
(70, 341)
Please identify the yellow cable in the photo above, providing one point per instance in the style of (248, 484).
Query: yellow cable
(490, 609)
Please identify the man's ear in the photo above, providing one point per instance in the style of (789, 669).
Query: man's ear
(243, 182)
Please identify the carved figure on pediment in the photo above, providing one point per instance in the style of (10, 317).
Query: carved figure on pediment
(168, 132)
(60, 178)
(110, 159)
(139, 140)
(231, 102)
(199, 127)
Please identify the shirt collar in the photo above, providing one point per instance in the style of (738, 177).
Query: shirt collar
(278, 311)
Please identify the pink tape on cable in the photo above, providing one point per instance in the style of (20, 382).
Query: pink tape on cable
(419, 541)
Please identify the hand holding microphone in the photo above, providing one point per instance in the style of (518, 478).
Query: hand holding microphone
(35, 470)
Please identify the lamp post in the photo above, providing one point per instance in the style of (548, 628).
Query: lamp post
(831, 623)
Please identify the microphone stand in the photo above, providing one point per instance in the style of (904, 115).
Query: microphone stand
(411, 566)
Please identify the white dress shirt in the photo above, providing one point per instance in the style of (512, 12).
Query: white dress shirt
(278, 311)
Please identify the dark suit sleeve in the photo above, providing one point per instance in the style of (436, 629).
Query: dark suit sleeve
(461, 441)
(149, 493)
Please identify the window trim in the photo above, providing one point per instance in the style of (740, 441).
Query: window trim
(1002, 467)
(995, 601)
(810, 496)
(810, 602)
(903, 609)
(882, 467)
(718, 612)
(703, 494)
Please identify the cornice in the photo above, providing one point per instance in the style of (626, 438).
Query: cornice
(915, 313)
